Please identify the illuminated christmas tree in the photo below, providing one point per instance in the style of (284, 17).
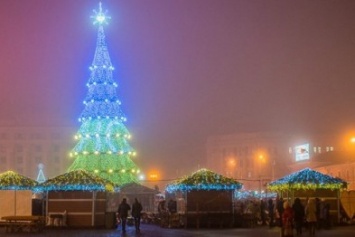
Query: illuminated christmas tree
(103, 146)
(40, 177)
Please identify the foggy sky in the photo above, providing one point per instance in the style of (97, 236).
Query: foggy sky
(186, 69)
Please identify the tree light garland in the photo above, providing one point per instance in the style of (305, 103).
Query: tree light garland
(102, 144)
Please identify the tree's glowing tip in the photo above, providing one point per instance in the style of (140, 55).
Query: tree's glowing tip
(100, 17)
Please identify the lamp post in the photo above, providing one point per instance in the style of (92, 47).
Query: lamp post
(261, 160)
(231, 166)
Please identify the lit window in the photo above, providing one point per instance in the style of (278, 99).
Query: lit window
(315, 149)
(319, 149)
(290, 150)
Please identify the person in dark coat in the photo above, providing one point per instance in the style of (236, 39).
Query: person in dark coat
(172, 206)
(136, 213)
(271, 208)
(299, 215)
(123, 209)
(326, 215)
(280, 210)
(318, 212)
(262, 212)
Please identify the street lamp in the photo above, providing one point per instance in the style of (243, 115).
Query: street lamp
(153, 175)
(261, 160)
(230, 166)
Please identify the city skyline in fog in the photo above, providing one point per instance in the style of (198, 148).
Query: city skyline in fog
(186, 70)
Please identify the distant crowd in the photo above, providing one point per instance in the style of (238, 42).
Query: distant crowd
(314, 214)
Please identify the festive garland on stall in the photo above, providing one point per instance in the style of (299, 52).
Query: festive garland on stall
(11, 180)
(203, 179)
(307, 179)
(79, 180)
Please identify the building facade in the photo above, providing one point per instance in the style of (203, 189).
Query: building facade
(345, 171)
(258, 158)
(22, 149)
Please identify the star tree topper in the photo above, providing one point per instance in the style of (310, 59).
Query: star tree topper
(100, 17)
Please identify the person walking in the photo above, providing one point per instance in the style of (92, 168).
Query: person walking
(298, 211)
(123, 209)
(279, 210)
(311, 215)
(172, 206)
(136, 213)
(271, 210)
(287, 220)
(262, 212)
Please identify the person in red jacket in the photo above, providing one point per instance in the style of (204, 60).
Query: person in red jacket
(287, 220)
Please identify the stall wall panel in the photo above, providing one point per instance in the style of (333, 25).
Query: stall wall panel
(209, 201)
(100, 205)
(78, 206)
(99, 219)
(70, 205)
(15, 202)
(70, 195)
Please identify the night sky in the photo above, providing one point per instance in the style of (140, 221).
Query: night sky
(186, 69)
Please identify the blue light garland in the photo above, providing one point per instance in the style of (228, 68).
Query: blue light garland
(79, 180)
(204, 179)
(11, 180)
(307, 179)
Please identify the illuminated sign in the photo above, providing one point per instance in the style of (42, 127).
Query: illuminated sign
(302, 152)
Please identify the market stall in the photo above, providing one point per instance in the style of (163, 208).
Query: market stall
(204, 199)
(308, 183)
(76, 199)
(15, 194)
